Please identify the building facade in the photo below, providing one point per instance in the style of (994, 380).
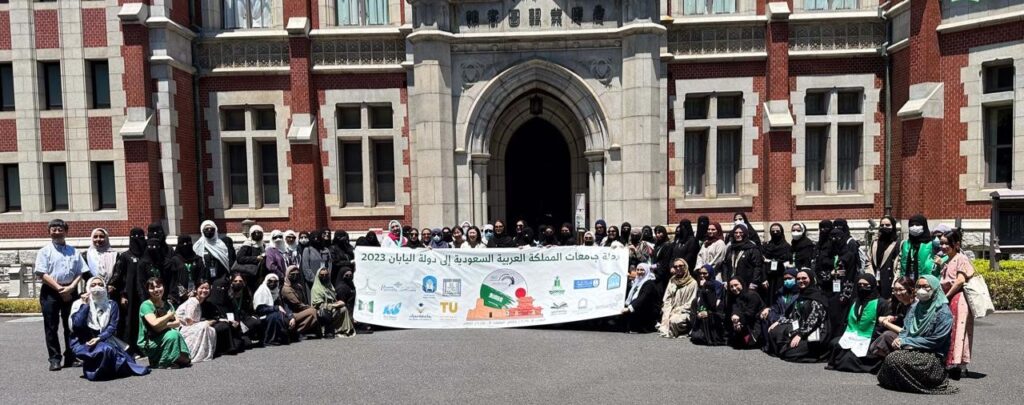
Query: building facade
(346, 114)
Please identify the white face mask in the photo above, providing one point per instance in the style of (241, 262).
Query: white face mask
(797, 235)
(924, 295)
(739, 222)
(916, 230)
(97, 292)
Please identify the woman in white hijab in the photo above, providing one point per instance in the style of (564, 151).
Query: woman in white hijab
(394, 237)
(291, 240)
(94, 320)
(640, 310)
(101, 258)
(213, 250)
(275, 318)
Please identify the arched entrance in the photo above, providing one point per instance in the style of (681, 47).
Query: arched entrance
(538, 180)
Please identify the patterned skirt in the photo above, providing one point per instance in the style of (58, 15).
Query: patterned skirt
(915, 371)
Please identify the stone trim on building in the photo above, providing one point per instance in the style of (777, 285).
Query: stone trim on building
(973, 147)
(867, 184)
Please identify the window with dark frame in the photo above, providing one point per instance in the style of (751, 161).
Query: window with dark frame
(816, 103)
(695, 107)
(12, 188)
(6, 87)
(850, 101)
(848, 159)
(695, 148)
(58, 176)
(233, 119)
(238, 176)
(99, 83)
(730, 106)
(106, 194)
(348, 117)
(384, 171)
(380, 116)
(51, 85)
(271, 191)
(352, 172)
(728, 161)
(265, 119)
(815, 150)
(998, 134)
(998, 77)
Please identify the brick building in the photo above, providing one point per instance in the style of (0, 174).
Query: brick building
(349, 113)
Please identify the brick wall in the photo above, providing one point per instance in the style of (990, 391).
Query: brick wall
(8, 135)
(5, 29)
(47, 33)
(136, 77)
(51, 134)
(95, 28)
(188, 164)
(100, 133)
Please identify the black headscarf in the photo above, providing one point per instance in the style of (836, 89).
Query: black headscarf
(841, 225)
(751, 232)
(341, 241)
(684, 232)
(925, 236)
(501, 239)
(137, 242)
(886, 237)
(777, 248)
(824, 231)
(702, 228)
(369, 240)
(563, 240)
(548, 240)
(624, 231)
(156, 231)
(864, 297)
(185, 247)
(812, 292)
(647, 234)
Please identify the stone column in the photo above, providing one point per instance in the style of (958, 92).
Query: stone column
(595, 162)
(433, 139)
(479, 194)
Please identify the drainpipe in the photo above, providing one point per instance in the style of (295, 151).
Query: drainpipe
(888, 117)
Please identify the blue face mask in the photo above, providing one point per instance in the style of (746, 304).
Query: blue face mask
(789, 283)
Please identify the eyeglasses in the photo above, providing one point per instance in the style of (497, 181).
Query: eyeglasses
(679, 266)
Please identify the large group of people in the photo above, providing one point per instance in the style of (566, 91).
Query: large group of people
(894, 307)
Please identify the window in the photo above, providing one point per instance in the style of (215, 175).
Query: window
(362, 12)
(998, 78)
(998, 132)
(99, 83)
(728, 160)
(380, 116)
(57, 174)
(723, 6)
(850, 102)
(247, 13)
(352, 172)
(384, 171)
(266, 118)
(695, 147)
(238, 176)
(348, 118)
(6, 87)
(50, 75)
(233, 119)
(696, 107)
(816, 103)
(268, 173)
(104, 191)
(12, 188)
(730, 106)
(848, 157)
(814, 155)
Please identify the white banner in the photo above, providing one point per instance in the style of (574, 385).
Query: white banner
(488, 288)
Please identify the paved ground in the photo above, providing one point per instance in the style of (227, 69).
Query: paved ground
(499, 366)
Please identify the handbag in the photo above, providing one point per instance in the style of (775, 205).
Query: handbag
(978, 298)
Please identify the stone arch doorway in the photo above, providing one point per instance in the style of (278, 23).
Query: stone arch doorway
(538, 178)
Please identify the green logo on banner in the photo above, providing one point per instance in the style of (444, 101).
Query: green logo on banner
(494, 298)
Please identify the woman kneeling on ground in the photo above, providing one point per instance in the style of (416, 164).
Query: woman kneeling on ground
(159, 338)
(918, 364)
(801, 335)
(94, 321)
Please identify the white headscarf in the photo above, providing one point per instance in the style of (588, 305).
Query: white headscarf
(213, 245)
(99, 306)
(292, 247)
(639, 282)
(280, 245)
(250, 242)
(264, 295)
(101, 259)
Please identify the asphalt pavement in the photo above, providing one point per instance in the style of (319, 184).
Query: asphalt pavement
(523, 366)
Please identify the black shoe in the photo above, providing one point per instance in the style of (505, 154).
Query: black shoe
(73, 363)
(366, 330)
(54, 365)
(954, 373)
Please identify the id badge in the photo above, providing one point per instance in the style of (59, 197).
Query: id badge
(775, 265)
(837, 286)
(231, 316)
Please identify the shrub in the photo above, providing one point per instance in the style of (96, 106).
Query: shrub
(19, 306)
(1006, 285)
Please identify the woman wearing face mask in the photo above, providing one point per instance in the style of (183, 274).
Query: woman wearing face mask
(918, 363)
(588, 239)
(743, 260)
(776, 253)
(824, 259)
(199, 334)
(708, 310)
(94, 320)
(782, 299)
(437, 239)
(250, 256)
(662, 258)
(917, 253)
(902, 298)
(741, 218)
(395, 237)
(501, 239)
(230, 303)
(370, 240)
(291, 248)
(802, 247)
(547, 237)
(647, 234)
(641, 307)
(566, 235)
(188, 266)
(640, 251)
(156, 264)
(446, 235)
(957, 271)
(712, 251)
(342, 253)
(801, 335)
(313, 259)
(882, 256)
(675, 309)
(276, 320)
(851, 351)
(215, 253)
(685, 245)
(296, 297)
(702, 229)
(612, 240)
(302, 244)
(742, 306)
(458, 237)
(276, 253)
(624, 232)
(333, 314)
(129, 280)
(159, 338)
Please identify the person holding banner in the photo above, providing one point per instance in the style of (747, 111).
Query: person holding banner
(501, 239)
(679, 296)
(394, 237)
(473, 239)
(641, 309)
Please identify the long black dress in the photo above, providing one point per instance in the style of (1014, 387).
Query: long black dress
(130, 284)
(810, 315)
(803, 253)
(743, 260)
(645, 309)
(223, 302)
(776, 253)
(709, 331)
(747, 306)
(883, 259)
(845, 360)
